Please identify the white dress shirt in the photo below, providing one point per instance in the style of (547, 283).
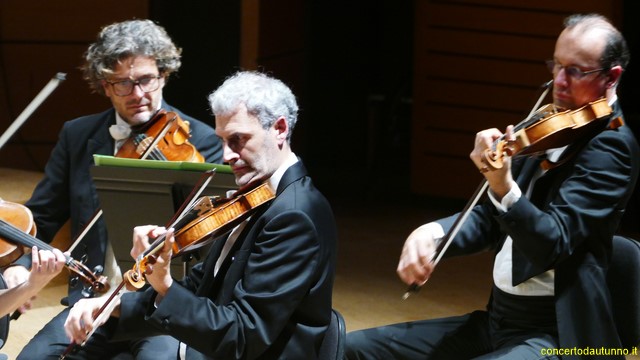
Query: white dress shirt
(540, 285)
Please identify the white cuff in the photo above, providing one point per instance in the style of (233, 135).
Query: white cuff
(508, 200)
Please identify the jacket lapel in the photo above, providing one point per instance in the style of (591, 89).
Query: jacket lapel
(102, 143)
(292, 174)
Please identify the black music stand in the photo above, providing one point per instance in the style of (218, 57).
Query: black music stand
(140, 192)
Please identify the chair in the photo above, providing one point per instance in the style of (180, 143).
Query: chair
(332, 347)
(623, 280)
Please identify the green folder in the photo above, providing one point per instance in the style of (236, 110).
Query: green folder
(104, 160)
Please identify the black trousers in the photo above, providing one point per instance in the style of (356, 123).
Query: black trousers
(51, 341)
(462, 337)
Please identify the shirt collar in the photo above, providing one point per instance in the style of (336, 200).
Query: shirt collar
(274, 180)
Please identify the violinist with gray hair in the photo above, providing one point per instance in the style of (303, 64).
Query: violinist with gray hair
(264, 290)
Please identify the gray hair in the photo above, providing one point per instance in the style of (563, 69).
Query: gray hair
(122, 40)
(616, 51)
(264, 97)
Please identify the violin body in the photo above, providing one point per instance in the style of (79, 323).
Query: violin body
(164, 137)
(19, 216)
(215, 216)
(548, 129)
(208, 218)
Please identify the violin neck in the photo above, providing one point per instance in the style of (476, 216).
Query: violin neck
(18, 236)
(156, 246)
(152, 152)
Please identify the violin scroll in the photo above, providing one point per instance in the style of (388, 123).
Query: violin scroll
(494, 159)
(134, 280)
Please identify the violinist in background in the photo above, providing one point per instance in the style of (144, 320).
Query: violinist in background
(551, 230)
(263, 292)
(130, 63)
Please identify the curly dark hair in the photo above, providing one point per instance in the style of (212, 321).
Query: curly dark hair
(122, 40)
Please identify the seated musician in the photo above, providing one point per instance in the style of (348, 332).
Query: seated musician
(263, 292)
(552, 235)
(130, 63)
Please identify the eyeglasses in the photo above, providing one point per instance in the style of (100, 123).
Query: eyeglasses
(571, 71)
(125, 87)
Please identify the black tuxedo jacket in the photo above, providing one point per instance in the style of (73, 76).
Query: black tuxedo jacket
(569, 228)
(67, 191)
(271, 298)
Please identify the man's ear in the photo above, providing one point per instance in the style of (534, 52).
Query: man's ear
(105, 88)
(282, 129)
(614, 76)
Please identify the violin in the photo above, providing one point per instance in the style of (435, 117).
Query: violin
(13, 240)
(206, 220)
(548, 129)
(21, 218)
(164, 137)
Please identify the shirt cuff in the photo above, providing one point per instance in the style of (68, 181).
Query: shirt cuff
(508, 200)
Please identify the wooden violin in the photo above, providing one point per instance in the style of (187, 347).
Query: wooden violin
(13, 240)
(21, 218)
(164, 137)
(548, 129)
(206, 220)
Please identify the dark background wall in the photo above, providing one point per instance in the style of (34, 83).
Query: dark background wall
(370, 76)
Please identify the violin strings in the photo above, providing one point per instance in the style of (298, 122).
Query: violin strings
(152, 149)
(154, 153)
(189, 202)
(523, 124)
(14, 234)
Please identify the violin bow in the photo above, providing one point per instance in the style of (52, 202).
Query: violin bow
(33, 105)
(444, 242)
(86, 229)
(150, 149)
(187, 204)
(104, 311)
(106, 308)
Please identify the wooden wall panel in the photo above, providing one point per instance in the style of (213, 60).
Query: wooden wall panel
(65, 21)
(282, 51)
(567, 6)
(477, 64)
(38, 39)
(29, 74)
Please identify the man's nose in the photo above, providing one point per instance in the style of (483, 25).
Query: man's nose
(228, 154)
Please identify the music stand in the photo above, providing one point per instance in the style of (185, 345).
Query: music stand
(140, 192)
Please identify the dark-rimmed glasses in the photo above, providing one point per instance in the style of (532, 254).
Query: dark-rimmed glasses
(571, 71)
(125, 87)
